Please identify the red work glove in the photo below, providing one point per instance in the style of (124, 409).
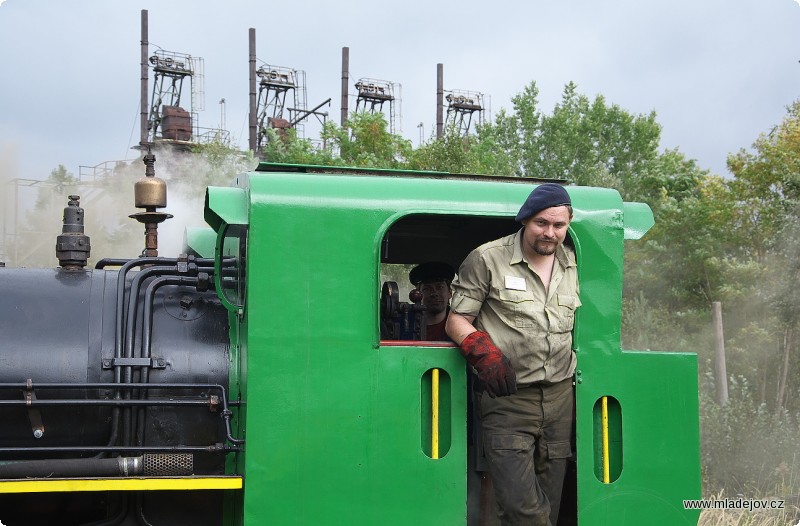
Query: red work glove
(491, 365)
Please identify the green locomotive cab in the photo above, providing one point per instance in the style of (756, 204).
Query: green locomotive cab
(344, 427)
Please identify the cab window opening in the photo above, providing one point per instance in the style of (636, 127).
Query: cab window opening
(434, 245)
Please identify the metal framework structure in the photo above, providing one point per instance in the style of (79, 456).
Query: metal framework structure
(23, 238)
(461, 106)
(373, 94)
(18, 191)
(278, 87)
(170, 71)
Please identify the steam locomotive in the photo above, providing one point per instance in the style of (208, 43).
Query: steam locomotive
(248, 381)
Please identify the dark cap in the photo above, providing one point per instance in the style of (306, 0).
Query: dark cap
(545, 195)
(431, 271)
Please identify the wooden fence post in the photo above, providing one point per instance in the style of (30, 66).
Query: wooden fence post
(720, 368)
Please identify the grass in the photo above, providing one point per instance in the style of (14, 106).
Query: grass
(746, 518)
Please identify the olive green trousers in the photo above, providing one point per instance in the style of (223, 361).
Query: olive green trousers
(527, 441)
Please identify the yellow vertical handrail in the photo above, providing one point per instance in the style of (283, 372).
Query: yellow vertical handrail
(435, 413)
(604, 425)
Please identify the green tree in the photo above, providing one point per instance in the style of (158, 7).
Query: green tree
(365, 141)
(55, 184)
(456, 153)
(588, 142)
(766, 187)
(289, 148)
(767, 184)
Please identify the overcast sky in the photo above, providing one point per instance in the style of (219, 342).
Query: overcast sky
(717, 72)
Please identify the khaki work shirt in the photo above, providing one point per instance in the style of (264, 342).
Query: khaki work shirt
(532, 328)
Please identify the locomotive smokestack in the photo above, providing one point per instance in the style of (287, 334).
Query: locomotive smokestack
(73, 246)
(150, 193)
(144, 81)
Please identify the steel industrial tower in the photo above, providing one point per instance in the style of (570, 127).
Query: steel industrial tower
(280, 101)
(275, 85)
(168, 119)
(461, 106)
(373, 94)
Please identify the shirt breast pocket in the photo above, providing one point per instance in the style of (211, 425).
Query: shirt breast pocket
(520, 308)
(567, 303)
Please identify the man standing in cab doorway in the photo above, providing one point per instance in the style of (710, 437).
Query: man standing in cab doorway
(512, 315)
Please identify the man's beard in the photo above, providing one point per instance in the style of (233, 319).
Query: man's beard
(545, 247)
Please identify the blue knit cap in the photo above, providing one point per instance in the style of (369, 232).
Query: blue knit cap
(543, 196)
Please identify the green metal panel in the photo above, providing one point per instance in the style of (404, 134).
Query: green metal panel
(657, 394)
(235, 463)
(334, 427)
(336, 419)
(225, 206)
(200, 241)
(638, 220)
